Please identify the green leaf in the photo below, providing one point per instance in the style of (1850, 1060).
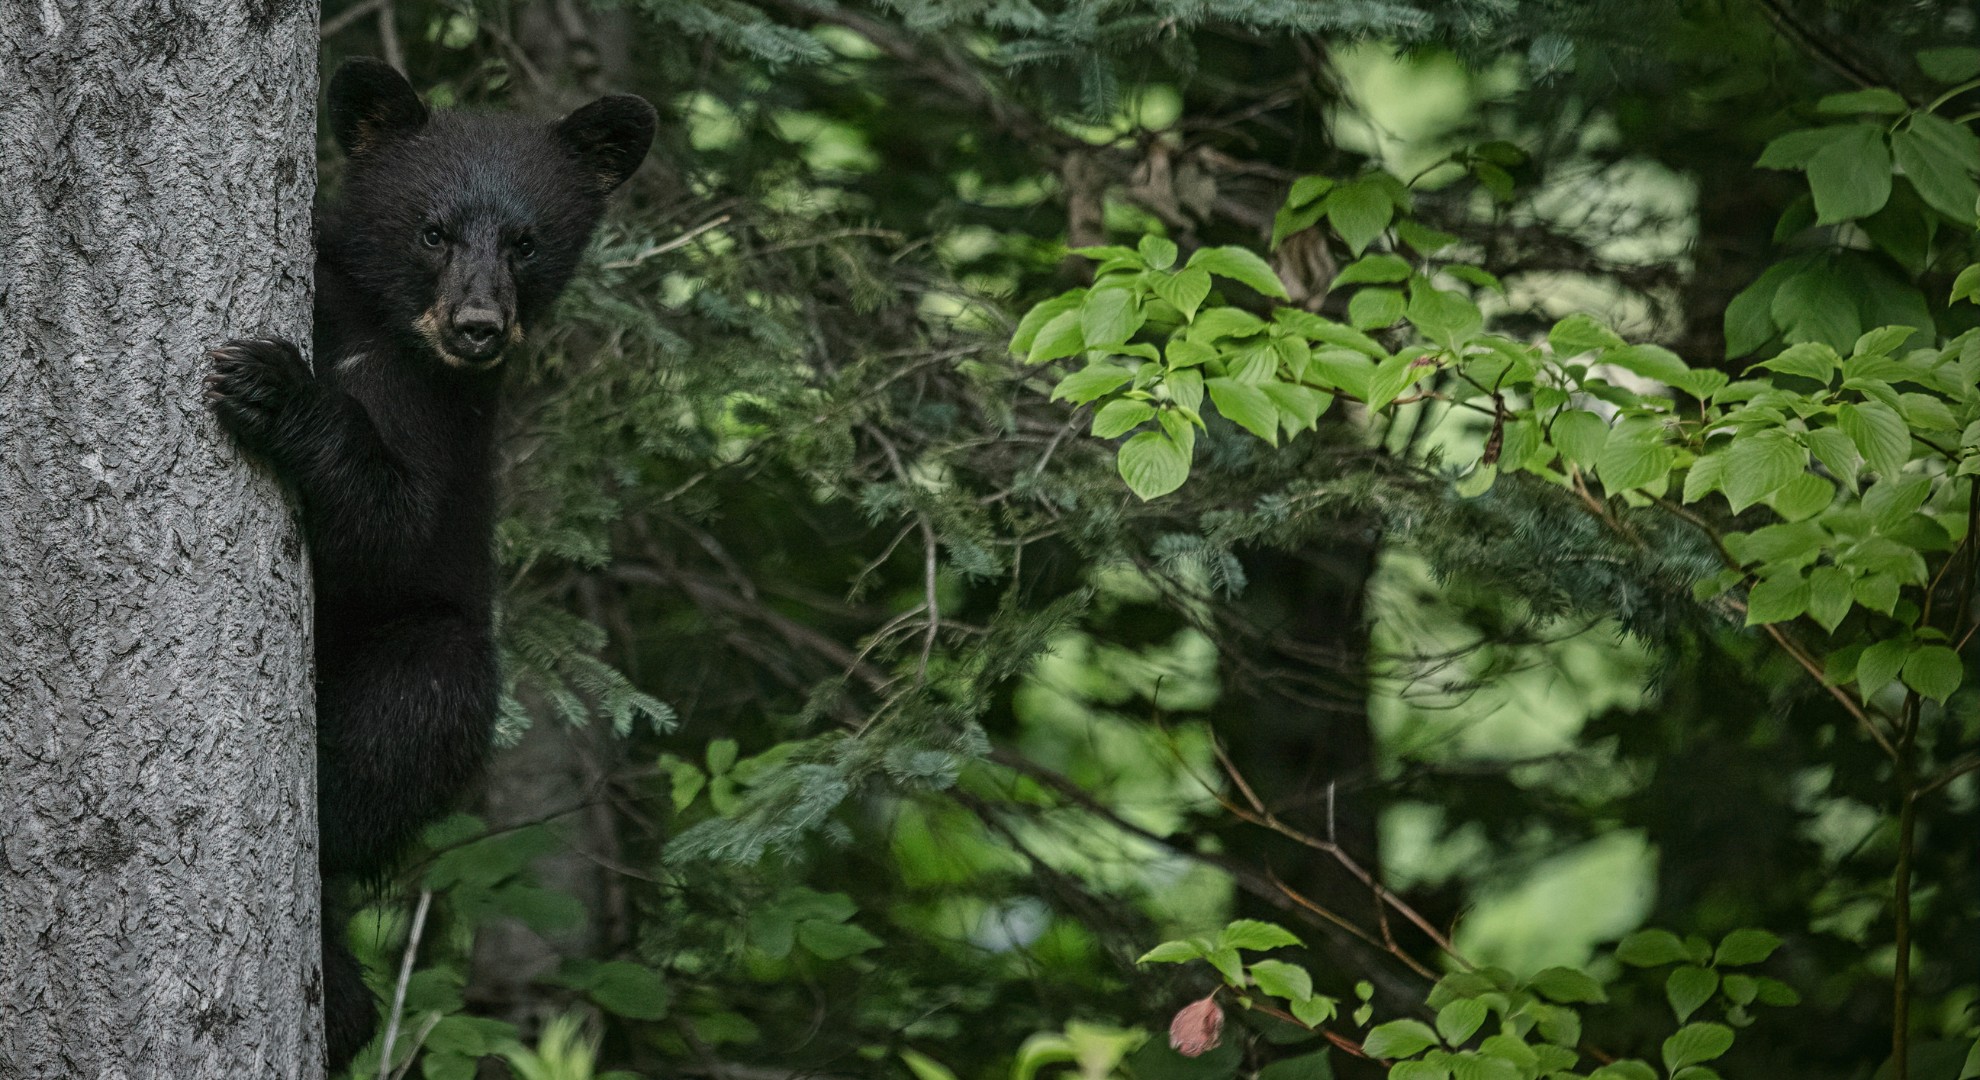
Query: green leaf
(1561, 1027)
(1749, 315)
(1035, 319)
(1378, 269)
(1477, 482)
(1580, 436)
(1836, 453)
(1424, 239)
(1171, 952)
(1315, 1010)
(1241, 265)
(1879, 433)
(1059, 337)
(1418, 1070)
(1308, 189)
(1246, 406)
(1955, 141)
(1851, 176)
(1707, 474)
(1934, 671)
(1511, 1050)
(1158, 252)
(1967, 285)
(1579, 334)
(924, 1067)
(834, 940)
(626, 989)
(1567, 986)
(1109, 317)
(1777, 599)
(1650, 948)
(1095, 381)
(1796, 148)
(1315, 1066)
(1393, 376)
(1350, 372)
(1327, 331)
(1299, 406)
(1398, 1039)
(1950, 64)
(1184, 289)
(1290, 220)
(1689, 987)
(1153, 464)
(1443, 316)
(1831, 594)
(1694, 1043)
(1283, 980)
(1460, 1020)
(1372, 309)
(1876, 99)
(1938, 176)
(1810, 360)
(1891, 502)
(1745, 946)
(1624, 1070)
(1760, 464)
(1802, 497)
(1776, 992)
(1219, 322)
(1359, 211)
(1255, 936)
(1879, 664)
(1651, 362)
(1120, 416)
(1634, 455)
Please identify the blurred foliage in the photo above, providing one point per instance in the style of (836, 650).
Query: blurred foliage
(864, 723)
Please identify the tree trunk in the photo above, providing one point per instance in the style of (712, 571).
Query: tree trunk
(158, 884)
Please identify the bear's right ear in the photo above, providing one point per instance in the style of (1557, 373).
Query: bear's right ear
(609, 137)
(371, 104)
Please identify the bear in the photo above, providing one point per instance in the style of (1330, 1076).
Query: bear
(453, 234)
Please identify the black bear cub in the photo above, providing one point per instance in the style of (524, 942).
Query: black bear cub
(453, 235)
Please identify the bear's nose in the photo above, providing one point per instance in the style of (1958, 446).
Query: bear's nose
(479, 327)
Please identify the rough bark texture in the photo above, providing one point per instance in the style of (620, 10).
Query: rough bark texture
(158, 885)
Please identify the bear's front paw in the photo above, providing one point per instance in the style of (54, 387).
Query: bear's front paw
(254, 380)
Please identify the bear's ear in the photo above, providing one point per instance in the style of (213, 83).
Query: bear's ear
(609, 137)
(371, 104)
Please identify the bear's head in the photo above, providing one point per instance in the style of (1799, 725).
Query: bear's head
(462, 228)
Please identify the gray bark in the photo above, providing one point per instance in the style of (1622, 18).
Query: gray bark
(158, 885)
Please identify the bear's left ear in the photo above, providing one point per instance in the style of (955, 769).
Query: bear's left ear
(609, 137)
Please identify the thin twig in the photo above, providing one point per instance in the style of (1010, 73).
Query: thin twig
(405, 977)
(419, 1039)
(388, 37)
(675, 244)
(341, 21)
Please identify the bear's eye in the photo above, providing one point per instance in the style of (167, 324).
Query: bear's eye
(433, 237)
(525, 247)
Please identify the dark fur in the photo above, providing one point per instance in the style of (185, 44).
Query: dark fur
(389, 444)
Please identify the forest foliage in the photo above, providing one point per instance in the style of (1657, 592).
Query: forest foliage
(1271, 540)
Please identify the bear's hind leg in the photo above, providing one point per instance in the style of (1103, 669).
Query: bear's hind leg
(404, 718)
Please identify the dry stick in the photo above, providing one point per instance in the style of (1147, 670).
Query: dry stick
(1907, 793)
(676, 243)
(388, 37)
(1259, 815)
(1787, 645)
(405, 977)
(338, 22)
(419, 1039)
